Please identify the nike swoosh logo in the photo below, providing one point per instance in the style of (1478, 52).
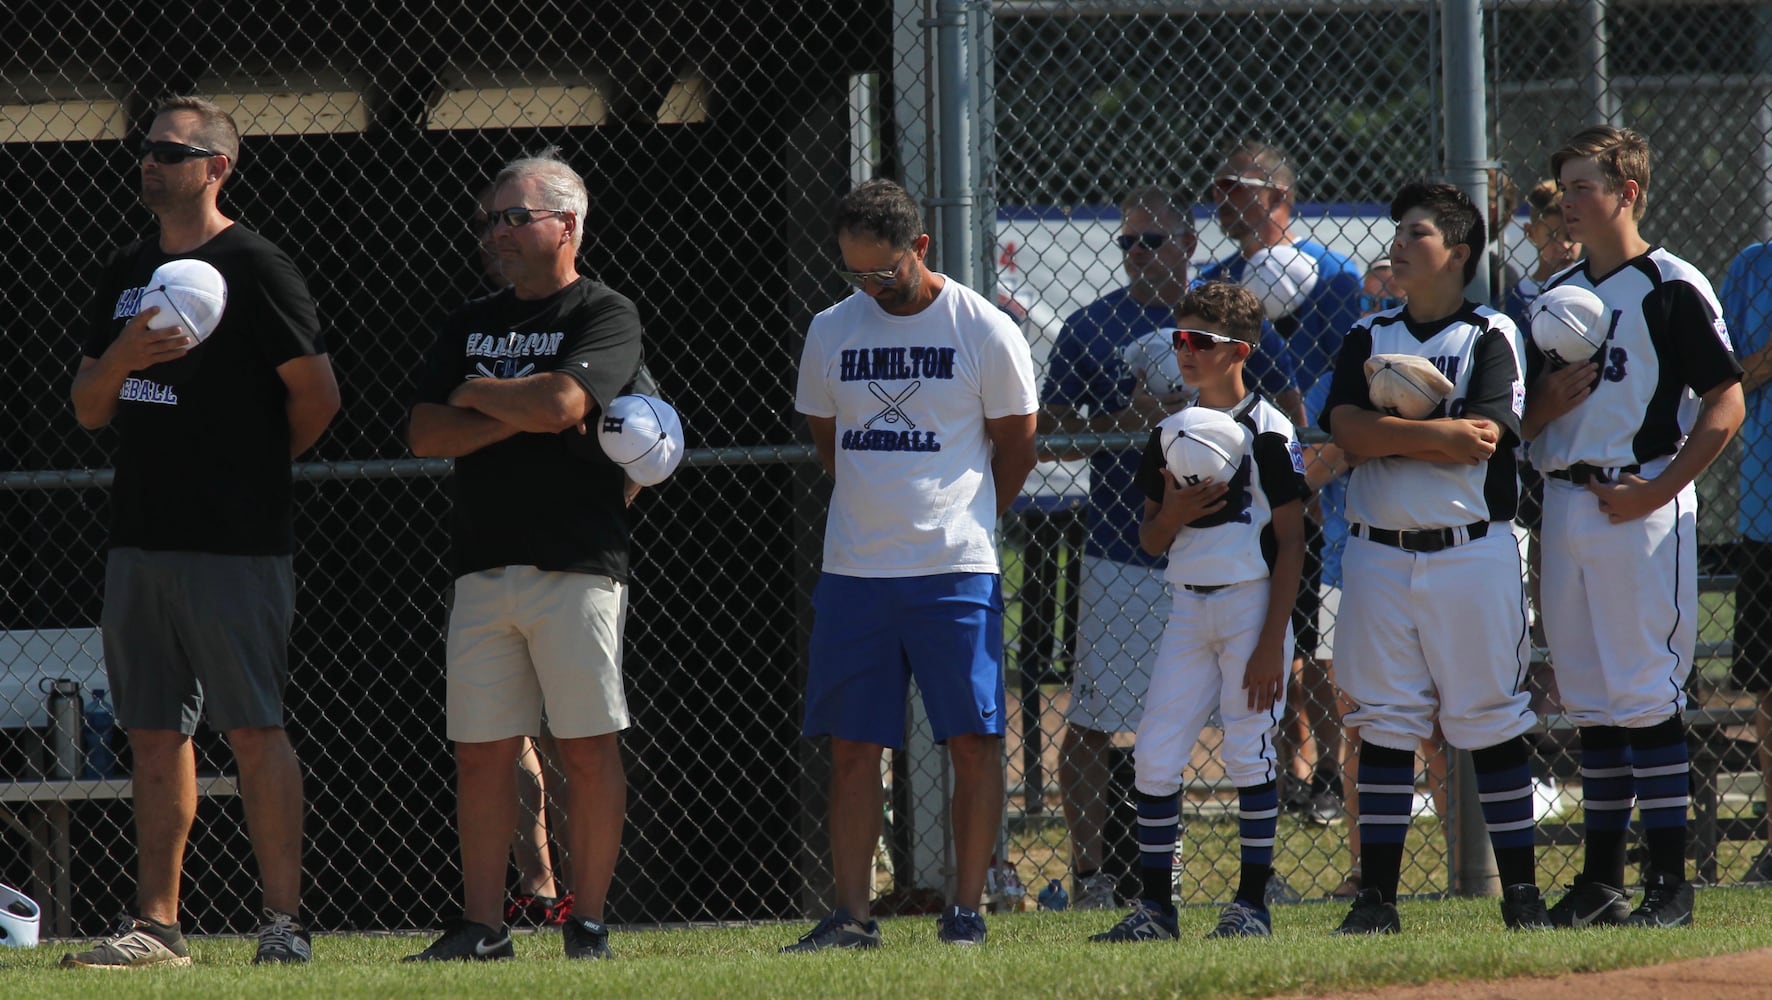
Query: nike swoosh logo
(987, 713)
(1584, 919)
(483, 948)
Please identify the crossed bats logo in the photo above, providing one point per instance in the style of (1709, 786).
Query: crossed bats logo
(894, 411)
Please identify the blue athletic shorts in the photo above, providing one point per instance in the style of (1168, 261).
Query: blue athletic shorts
(870, 636)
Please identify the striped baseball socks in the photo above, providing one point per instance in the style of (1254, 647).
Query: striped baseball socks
(1159, 827)
(1387, 794)
(1504, 787)
(1661, 767)
(1607, 794)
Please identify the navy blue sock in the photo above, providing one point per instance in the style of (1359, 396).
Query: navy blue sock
(1387, 795)
(1607, 795)
(1662, 767)
(1159, 826)
(1258, 819)
(1504, 786)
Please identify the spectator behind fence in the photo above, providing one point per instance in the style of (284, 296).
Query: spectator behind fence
(919, 394)
(1312, 296)
(1123, 603)
(540, 600)
(1747, 307)
(1433, 616)
(1619, 443)
(1236, 547)
(199, 584)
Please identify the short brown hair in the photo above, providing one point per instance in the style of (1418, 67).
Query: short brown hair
(1234, 308)
(215, 127)
(1622, 154)
(1270, 159)
(1161, 204)
(1542, 201)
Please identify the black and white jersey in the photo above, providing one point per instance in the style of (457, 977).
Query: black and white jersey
(1666, 345)
(1234, 544)
(1478, 350)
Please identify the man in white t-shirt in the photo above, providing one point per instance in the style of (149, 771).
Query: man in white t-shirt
(920, 397)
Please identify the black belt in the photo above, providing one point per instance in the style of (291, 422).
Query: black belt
(1581, 473)
(1210, 588)
(1424, 540)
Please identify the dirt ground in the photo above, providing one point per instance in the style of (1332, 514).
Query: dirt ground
(1736, 977)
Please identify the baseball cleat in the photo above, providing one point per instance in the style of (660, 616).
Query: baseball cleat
(839, 930)
(1522, 909)
(1239, 919)
(1146, 922)
(1590, 904)
(959, 925)
(1667, 902)
(1370, 914)
(586, 938)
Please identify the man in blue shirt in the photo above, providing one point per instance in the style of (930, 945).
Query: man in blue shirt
(1124, 601)
(1311, 294)
(1747, 310)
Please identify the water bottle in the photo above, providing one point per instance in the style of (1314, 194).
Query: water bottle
(64, 728)
(101, 758)
(1053, 897)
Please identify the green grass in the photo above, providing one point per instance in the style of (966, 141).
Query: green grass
(1040, 954)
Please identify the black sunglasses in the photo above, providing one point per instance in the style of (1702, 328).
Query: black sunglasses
(1201, 340)
(1150, 241)
(517, 218)
(172, 153)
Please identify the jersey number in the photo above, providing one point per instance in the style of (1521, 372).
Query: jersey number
(1614, 371)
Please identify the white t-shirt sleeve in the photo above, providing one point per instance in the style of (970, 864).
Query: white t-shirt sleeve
(1006, 372)
(1282, 277)
(813, 395)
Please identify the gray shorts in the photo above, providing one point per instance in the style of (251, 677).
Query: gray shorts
(189, 631)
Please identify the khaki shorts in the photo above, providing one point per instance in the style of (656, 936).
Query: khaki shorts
(523, 640)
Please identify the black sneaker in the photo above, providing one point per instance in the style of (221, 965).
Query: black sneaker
(1590, 904)
(467, 941)
(586, 938)
(138, 944)
(1370, 915)
(959, 925)
(1522, 909)
(282, 940)
(1667, 902)
(839, 930)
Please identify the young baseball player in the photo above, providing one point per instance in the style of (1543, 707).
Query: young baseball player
(1619, 439)
(1235, 552)
(1433, 618)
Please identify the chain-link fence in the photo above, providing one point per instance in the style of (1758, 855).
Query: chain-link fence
(715, 140)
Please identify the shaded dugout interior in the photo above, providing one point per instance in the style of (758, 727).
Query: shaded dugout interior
(716, 228)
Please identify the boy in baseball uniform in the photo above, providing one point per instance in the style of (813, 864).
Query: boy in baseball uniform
(1235, 552)
(1619, 438)
(1433, 617)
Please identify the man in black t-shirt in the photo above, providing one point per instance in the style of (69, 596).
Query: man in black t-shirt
(540, 547)
(199, 589)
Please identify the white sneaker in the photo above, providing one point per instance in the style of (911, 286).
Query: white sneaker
(1096, 893)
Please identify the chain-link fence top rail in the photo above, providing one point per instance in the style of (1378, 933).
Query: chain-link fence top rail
(714, 139)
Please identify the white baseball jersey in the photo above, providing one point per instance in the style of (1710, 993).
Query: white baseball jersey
(1235, 544)
(914, 494)
(1666, 345)
(1478, 350)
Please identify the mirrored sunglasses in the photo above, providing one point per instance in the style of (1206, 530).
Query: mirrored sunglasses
(1201, 340)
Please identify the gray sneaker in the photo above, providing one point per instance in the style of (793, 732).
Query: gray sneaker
(1239, 919)
(1278, 890)
(839, 930)
(137, 944)
(1097, 892)
(283, 941)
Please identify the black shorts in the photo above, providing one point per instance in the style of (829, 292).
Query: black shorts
(1304, 610)
(1752, 669)
(193, 633)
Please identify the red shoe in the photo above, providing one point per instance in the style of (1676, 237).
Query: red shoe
(538, 911)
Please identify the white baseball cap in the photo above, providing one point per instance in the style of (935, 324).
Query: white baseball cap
(19, 918)
(643, 435)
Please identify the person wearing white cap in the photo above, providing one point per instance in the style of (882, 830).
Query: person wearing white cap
(512, 389)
